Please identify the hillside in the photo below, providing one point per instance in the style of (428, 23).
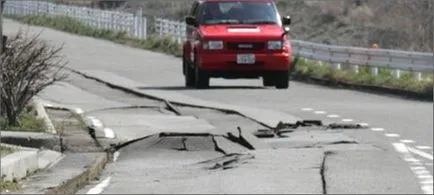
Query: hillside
(392, 24)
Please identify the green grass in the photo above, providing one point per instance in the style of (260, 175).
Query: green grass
(28, 122)
(9, 186)
(305, 69)
(6, 150)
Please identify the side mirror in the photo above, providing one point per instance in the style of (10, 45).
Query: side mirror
(286, 20)
(190, 20)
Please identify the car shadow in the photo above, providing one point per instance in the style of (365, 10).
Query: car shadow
(180, 88)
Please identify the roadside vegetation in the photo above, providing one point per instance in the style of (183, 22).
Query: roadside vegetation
(305, 70)
(28, 121)
(9, 186)
(6, 150)
(27, 66)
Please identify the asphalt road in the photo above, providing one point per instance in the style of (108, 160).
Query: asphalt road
(394, 120)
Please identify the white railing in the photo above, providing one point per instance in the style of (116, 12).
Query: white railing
(133, 24)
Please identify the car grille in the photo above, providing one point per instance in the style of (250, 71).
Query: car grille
(245, 46)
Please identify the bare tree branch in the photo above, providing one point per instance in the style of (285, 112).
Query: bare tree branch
(27, 67)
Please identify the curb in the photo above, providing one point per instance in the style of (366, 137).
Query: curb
(20, 164)
(73, 185)
(42, 113)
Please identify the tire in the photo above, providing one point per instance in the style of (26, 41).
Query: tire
(282, 80)
(202, 79)
(188, 74)
(268, 81)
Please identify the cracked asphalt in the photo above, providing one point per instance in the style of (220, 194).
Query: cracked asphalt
(306, 161)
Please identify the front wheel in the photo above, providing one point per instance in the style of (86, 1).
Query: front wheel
(202, 79)
(189, 74)
(282, 80)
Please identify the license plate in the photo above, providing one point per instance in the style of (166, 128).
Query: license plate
(246, 59)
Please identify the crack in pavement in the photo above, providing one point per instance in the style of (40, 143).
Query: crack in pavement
(323, 170)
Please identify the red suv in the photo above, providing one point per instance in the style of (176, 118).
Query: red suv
(236, 39)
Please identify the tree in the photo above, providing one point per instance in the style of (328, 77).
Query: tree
(27, 66)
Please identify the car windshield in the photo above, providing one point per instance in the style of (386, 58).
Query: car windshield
(241, 12)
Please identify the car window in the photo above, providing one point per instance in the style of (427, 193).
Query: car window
(242, 12)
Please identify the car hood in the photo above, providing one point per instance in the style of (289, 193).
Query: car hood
(241, 31)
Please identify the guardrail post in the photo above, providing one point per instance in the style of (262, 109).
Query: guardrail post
(374, 71)
(417, 76)
(355, 68)
(396, 73)
(337, 66)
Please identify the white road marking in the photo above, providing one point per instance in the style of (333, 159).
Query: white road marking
(377, 129)
(427, 189)
(417, 168)
(426, 176)
(100, 187)
(364, 124)
(424, 147)
(401, 148)
(307, 109)
(428, 181)
(422, 172)
(96, 122)
(420, 153)
(411, 160)
(333, 116)
(319, 112)
(115, 156)
(48, 105)
(78, 111)
(347, 120)
(109, 133)
(392, 135)
(407, 141)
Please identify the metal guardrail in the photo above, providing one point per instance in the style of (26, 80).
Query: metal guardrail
(132, 23)
(135, 24)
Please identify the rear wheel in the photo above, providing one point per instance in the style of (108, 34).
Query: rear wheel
(282, 80)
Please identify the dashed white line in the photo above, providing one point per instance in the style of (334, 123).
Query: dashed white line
(427, 189)
(417, 168)
(333, 116)
(401, 148)
(424, 147)
(392, 135)
(100, 187)
(422, 172)
(428, 181)
(426, 176)
(377, 129)
(421, 153)
(306, 109)
(109, 133)
(347, 120)
(319, 112)
(407, 141)
(364, 124)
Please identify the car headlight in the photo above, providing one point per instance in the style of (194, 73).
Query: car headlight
(274, 45)
(213, 45)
